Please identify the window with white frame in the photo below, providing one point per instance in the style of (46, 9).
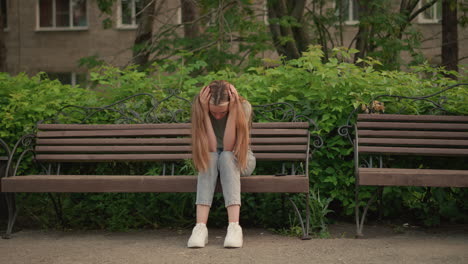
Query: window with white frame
(70, 78)
(265, 12)
(129, 13)
(62, 14)
(432, 14)
(179, 15)
(4, 10)
(348, 11)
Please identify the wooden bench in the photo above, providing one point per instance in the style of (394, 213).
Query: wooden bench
(379, 136)
(167, 143)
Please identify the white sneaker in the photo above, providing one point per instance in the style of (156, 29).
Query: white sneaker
(234, 238)
(199, 237)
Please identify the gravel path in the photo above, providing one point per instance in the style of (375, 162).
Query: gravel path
(381, 245)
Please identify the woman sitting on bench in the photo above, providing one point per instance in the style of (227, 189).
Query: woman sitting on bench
(221, 121)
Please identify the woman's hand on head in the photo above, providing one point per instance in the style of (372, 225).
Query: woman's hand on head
(204, 98)
(233, 97)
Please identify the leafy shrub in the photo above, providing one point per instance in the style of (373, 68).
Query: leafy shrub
(25, 101)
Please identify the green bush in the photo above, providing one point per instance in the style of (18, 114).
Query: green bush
(326, 93)
(24, 101)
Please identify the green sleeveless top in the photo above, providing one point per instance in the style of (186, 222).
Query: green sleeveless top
(219, 126)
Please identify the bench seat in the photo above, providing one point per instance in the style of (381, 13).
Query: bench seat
(139, 183)
(412, 177)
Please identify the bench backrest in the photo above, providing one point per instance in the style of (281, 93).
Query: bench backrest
(412, 135)
(286, 141)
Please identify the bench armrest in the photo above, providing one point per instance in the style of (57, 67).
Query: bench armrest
(4, 158)
(26, 142)
(4, 146)
(355, 142)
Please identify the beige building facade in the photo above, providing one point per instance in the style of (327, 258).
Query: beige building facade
(50, 36)
(53, 35)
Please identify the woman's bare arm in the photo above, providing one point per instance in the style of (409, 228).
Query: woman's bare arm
(229, 139)
(204, 97)
(212, 144)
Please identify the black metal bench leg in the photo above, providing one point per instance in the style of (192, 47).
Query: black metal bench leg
(357, 215)
(305, 230)
(307, 237)
(357, 212)
(360, 219)
(12, 213)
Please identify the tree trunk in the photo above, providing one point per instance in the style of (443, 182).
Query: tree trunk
(364, 35)
(141, 51)
(290, 40)
(190, 16)
(450, 36)
(3, 50)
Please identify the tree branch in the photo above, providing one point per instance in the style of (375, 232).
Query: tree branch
(422, 9)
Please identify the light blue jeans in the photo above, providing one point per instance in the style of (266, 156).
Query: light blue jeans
(223, 163)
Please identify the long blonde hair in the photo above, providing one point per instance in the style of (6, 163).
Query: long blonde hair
(200, 152)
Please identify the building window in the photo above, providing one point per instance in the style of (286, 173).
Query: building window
(70, 78)
(129, 13)
(62, 14)
(432, 14)
(347, 11)
(4, 8)
(179, 16)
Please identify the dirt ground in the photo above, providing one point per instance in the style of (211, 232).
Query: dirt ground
(382, 244)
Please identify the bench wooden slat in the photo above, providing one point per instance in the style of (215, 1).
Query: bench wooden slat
(113, 149)
(278, 140)
(280, 125)
(137, 183)
(157, 132)
(413, 177)
(412, 126)
(121, 149)
(110, 157)
(113, 141)
(157, 141)
(151, 157)
(414, 142)
(395, 117)
(56, 127)
(115, 133)
(413, 151)
(279, 132)
(412, 134)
